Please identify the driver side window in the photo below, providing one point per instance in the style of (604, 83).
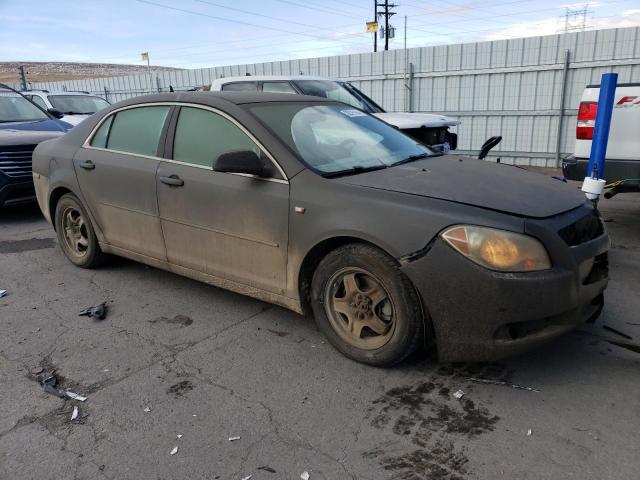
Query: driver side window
(202, 136)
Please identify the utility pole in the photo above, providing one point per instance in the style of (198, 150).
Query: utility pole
(375, 19)
(145, 56)
(387, 13)
(23, 78)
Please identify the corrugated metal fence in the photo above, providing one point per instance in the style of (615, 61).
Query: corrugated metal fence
(512, 88)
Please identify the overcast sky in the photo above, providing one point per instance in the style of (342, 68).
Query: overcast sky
(199, 33)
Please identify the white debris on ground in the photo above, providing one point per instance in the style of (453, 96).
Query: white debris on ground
(459, 394)
(75, 396)
(74, 415)
(179, 435)
(247, 478)
(233, 439)
(529, 432)
(2, 293)
(174, 450)
(304, 475)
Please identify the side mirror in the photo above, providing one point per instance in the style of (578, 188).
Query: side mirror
(488, 145)
(241, 161)
(55, 113)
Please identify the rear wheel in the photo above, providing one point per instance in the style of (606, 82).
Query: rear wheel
(366, 306)
(76, 235)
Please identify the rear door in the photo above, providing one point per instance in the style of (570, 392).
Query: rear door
(228, 225)
(117, 175)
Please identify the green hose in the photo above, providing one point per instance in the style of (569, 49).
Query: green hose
(620, 182)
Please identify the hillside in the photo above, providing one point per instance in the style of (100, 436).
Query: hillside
(57, 71)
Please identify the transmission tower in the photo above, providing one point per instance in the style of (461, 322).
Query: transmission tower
(575, 20)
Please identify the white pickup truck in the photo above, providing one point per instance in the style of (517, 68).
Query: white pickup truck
(430, 129)
(622, 162)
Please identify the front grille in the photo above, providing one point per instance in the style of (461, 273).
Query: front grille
(583, 230)
(15, 161)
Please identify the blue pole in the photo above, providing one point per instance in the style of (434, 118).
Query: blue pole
(603, 123)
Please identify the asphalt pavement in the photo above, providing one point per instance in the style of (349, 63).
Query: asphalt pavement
(179, 364)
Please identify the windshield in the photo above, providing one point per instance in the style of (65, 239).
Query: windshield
(333, 91)
(336, 139)
(77, 104)
(19, 109)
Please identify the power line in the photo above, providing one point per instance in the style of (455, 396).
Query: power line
(318, 9)
(513, 15)
(240, 22)
(269, 17)
(317, 37)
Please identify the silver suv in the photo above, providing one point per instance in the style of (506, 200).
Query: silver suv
(75, 106)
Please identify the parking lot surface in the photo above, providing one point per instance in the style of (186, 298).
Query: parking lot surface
(177, 363)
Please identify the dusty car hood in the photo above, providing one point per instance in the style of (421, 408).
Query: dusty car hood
(416, 120)
(465, 180)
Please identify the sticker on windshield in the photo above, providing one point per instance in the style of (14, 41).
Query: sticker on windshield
(353, 113)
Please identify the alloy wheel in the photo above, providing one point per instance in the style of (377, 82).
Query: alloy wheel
(76, 235)
(359, 308)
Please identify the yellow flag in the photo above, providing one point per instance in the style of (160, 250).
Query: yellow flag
(145, 56)
(372, 26)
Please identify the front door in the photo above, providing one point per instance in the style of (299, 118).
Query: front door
(117, 177)
(228, 225)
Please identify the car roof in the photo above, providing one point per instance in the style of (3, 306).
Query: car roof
(69, 93)
(266, 78)
(215, 98)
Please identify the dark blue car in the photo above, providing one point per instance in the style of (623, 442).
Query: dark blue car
(23, 126)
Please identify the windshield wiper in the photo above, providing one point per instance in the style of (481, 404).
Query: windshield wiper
(354, 170)
(412, 158)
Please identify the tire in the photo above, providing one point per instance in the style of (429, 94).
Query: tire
(76, 235)
(366, 306)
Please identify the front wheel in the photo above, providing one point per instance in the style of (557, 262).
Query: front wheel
(76, 235)
(366, 307)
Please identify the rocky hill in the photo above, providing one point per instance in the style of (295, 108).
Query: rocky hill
(56, 71)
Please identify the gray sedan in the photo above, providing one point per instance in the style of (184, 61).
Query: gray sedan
(321, 208)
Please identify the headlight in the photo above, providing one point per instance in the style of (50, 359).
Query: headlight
(498, 249)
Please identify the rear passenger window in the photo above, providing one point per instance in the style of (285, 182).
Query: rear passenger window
(137, 130)
(100, 137)
(278, 87)
(240, 87)
(201, 136)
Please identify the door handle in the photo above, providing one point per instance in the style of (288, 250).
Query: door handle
(87, 165)
(172, 180)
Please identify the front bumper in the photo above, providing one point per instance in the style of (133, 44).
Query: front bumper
(16, 191)
(482, 315)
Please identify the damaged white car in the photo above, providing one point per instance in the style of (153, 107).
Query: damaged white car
(429, 129)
